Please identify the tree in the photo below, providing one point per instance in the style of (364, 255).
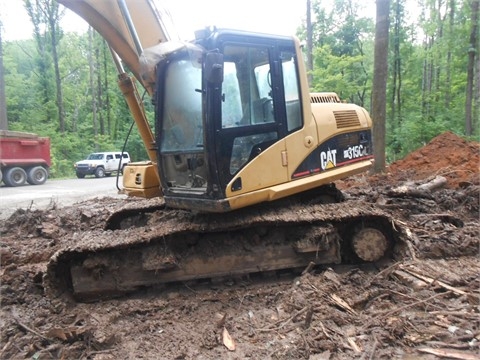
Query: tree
(309, 42)
(450, 41)
(53, 17)
(45, 16)
(3, 102)
(379, 91)
(340, 61)
(100, 96)
(472, 54)
(396, 104)
(91, 67)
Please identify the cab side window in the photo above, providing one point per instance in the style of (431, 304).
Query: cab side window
(292, 95)
(232, 104)
(247, 87)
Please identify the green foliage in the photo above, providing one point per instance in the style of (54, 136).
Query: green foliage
(341, 39)
(413, 133)
(433, 78)
(31, 103)
(342, 74)
(65, 148)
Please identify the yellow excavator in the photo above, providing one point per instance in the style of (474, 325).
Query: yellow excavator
(242, 158)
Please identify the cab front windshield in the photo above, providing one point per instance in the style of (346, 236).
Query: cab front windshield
(181, 139)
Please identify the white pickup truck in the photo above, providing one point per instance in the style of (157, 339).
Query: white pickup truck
(102, 164)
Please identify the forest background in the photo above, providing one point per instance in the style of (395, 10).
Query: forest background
(64, 85)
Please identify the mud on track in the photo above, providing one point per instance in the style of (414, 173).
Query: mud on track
(424, 305)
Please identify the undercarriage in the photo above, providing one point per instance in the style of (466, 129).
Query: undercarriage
(144, 247)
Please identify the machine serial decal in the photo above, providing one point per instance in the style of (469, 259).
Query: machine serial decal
(354, 152)
(341, 150)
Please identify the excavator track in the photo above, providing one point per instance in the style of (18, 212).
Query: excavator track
(143, 247)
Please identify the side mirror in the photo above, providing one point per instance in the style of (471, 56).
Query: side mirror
(214, 67)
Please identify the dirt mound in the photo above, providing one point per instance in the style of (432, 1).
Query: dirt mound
(447, 155)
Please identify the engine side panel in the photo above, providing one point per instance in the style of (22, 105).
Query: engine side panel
(340, 150)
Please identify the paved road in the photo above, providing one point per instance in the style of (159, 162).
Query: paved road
(62, 192)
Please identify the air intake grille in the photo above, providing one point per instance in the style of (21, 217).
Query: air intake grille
(346, 118)
(324, 98)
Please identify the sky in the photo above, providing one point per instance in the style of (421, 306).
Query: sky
(280, 17)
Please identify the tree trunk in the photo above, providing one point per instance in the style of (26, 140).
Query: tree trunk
(106, 59)
(309, 43)
(448, 85)
(91, 67)
(438, 58)
(3, 99)
(380, 84)
(36, 11)
(53, 22)
(99, 91)
(395, 106)
(472, 53)
(424, 79)
(476, 87)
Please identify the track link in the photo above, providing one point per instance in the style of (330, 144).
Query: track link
(150, 246)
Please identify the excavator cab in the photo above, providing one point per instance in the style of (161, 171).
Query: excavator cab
(219, 106)
(236, 124)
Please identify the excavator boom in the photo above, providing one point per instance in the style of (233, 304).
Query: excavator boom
(128, 26)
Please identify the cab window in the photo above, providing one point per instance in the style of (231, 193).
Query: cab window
(292, 95)
(247, 87)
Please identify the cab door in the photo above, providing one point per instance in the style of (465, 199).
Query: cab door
(250, 123)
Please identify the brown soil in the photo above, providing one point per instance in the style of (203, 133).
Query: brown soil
(446, 155)
(422, 305)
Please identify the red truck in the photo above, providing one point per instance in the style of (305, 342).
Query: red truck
(24, 157)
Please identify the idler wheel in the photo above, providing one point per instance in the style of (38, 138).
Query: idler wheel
(370, 244)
